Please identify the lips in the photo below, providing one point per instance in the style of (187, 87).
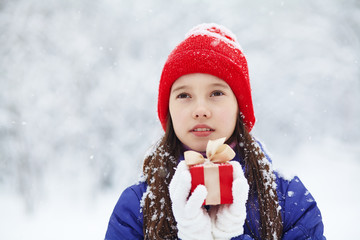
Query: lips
(202, 130)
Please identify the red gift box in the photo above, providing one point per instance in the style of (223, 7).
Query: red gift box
(217, 178)
(214, 171)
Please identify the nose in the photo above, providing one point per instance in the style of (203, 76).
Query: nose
(201, 111)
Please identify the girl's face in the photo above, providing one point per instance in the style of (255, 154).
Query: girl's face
(202, 108)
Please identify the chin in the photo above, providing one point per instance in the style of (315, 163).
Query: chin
(199, 148)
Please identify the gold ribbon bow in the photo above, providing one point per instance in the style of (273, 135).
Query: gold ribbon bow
(216, 152)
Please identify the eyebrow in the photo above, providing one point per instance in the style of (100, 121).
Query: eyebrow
(182, 87)
(179, 88)
(223, 85)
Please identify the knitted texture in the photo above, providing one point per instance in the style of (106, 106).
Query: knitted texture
(210, 49)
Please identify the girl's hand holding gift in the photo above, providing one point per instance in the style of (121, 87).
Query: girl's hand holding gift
(228, 219)
(193, 221)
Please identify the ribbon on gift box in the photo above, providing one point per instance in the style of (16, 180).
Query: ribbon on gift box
(216, 177)
(216, 152)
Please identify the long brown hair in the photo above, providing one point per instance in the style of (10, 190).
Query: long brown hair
(261, 180)
(159, 168)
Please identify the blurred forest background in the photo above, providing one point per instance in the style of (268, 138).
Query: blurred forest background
(79, 91)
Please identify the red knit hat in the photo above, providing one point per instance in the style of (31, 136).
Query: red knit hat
(211, 49)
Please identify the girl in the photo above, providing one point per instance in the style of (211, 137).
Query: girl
(204, 94)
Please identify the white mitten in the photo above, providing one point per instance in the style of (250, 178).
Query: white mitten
(193, 221)
(228, 219)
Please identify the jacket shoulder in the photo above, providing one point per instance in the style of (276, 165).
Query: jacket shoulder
(300, 213)
(126, 221)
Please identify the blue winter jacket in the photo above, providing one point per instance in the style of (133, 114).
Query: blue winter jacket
(300, 215)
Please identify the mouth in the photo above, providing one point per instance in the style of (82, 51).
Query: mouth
(202, 130)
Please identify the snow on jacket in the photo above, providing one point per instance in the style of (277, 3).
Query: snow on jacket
(300, 215)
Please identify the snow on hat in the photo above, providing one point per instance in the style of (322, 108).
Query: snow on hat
(211, 49)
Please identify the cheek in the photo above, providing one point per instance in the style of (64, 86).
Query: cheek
(177, 115)
(229, 114)
(229, 117)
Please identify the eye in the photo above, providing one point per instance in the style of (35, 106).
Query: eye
(183, 95)
(216, 93)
